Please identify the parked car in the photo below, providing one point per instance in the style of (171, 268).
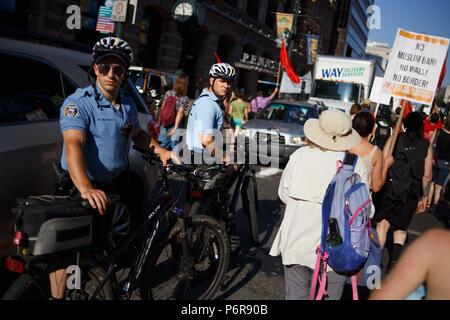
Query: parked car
(280, 126)
(37, 78)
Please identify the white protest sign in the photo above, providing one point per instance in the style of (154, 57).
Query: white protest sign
(415, 65)
(119, 11)
(287, 86)
(380, 93)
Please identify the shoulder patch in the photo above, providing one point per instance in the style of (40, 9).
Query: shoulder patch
(71, 110)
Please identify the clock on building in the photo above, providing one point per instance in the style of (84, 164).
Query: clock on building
(184, 10)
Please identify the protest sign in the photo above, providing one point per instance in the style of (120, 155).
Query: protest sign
(415, 65)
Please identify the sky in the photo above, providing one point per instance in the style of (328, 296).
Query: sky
(429, 16)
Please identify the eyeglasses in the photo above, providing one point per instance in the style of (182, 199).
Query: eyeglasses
(104, 68)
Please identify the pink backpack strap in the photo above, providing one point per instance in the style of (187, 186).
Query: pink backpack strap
(354, 287)
(321, 259)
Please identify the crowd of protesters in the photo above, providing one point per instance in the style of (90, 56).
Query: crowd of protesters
(422, 146)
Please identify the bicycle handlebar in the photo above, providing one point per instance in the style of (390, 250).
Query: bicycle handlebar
(150, 156)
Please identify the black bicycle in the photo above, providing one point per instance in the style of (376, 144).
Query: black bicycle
(173, 256)
(211, 196)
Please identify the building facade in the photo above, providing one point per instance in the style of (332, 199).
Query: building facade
(380, 50)
(350, 31)
(241, 32)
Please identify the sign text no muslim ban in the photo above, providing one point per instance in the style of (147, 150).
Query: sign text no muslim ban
(415, 65)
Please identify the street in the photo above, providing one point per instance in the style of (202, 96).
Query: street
(253, 274)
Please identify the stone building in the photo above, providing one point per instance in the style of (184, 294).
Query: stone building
(241, 32)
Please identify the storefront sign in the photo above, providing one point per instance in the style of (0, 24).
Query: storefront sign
(260, 64)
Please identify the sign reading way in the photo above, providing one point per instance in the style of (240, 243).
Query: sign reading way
(415, 65)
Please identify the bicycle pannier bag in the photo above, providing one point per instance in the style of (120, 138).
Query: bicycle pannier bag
(50, 224)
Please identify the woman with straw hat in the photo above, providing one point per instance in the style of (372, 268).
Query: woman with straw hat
(302, 188)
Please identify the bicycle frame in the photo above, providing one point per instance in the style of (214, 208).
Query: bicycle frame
(164, 203)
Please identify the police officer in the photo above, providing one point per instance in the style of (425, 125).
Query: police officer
(206, 116)
(99, 122)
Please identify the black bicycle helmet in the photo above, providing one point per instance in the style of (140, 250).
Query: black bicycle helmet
(223, 70)
(113, 46)
(385, 112)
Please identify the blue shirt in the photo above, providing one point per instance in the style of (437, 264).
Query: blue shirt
(205, 117)
(106, 148)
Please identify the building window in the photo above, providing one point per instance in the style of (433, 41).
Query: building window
(232, 2)
(253, 8)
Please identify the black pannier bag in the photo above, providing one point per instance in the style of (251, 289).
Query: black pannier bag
(52, 223)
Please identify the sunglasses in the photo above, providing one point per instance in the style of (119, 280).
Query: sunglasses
(104, 68)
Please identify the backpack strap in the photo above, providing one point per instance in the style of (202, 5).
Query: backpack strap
(350, 159)
(354, 287)
(218, 101)
(435, 141)
(321, 265)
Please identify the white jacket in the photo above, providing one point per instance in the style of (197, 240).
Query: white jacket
(302, 188)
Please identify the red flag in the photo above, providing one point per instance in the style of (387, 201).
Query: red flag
(444, 70)
(286, 63)
(218, 60)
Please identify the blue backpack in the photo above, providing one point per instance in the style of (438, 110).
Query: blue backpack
(348, 201)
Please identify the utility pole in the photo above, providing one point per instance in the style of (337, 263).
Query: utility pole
(119, 29)
(293, 29)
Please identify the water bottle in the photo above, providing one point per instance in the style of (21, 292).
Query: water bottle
(334, 238)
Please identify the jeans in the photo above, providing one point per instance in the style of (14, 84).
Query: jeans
(165, 140)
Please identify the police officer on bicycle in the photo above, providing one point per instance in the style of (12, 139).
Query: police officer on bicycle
(98, 123)
(206, 118)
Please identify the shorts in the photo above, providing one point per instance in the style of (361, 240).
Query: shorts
(441, 171)
(236, 122)
(399, 214)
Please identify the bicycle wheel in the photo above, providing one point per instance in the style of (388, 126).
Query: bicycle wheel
(250, 205)
(165, 273)
(80, 285)
(25, 287)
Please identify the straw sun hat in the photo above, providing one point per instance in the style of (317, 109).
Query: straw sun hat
(333, 131)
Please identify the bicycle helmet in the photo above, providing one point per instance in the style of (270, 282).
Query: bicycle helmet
(223, 70)
(385, 112)
(113, 46)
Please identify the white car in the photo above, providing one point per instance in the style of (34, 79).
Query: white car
(37, 79)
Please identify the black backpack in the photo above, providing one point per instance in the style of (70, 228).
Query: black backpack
(405, 175)
(382, 134)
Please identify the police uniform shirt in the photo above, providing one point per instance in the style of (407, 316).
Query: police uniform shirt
(206, 117)
(107, 147)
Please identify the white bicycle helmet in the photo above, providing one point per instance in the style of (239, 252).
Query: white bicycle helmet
(113, 46)
(223, 70)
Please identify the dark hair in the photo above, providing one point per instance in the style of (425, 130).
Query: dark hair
(363, 123)
(414, 125)
(434, 118)
(240, 95)
(355, 109)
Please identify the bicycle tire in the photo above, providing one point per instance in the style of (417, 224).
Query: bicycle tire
(250, 207)
(37, 287)
(164, 277)
(25, 287)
